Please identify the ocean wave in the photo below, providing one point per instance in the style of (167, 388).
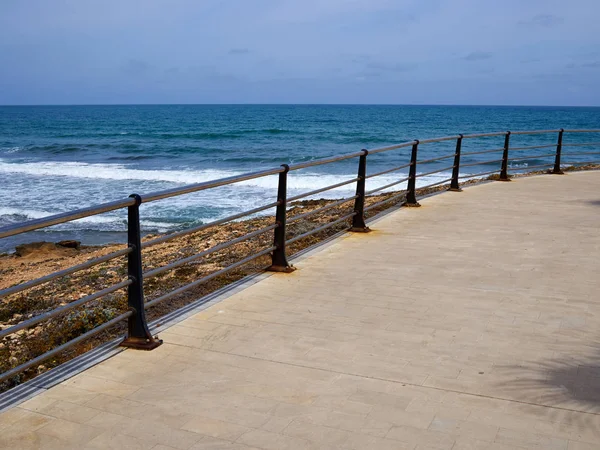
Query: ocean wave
(182, 135)
(130, 157)
(23, 214)
(10, 150)
(233, 134)
(10, 215)
(296, 180)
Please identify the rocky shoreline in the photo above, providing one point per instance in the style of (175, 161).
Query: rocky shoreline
(30, 262)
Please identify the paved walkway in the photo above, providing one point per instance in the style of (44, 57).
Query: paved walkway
(472, 322)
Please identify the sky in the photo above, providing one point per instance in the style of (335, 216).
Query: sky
(493, 52)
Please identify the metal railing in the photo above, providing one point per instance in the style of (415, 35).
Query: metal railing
(138, 334)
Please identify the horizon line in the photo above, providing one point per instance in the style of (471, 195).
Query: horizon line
(299, 104)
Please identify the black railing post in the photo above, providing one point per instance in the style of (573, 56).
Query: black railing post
(411, 196)
(454, 186)
(556, 169)
(358, 221)
(279, 262)
(504, 170)
(138, 335)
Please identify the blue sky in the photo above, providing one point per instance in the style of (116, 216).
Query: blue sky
(534, 52)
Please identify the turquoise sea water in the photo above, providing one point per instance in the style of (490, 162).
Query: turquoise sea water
(58, 158)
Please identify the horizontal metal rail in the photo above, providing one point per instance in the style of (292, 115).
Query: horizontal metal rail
(435, 184)
(154, 272)
(56, 219)
(172, 236)
(411, 143)
(393, 169)
(482, 163)
(159, 195)
(439, 158)
(494, 150)
(434, 171)
(582, 131)
(575, 163)
(479, 174)
(189, 286)
(534, 131)
(387, 200)
(319, 229)
(62, 309)
(480, 135)
(532, 147)
(381, 188)
(582, 144)
(541, 166)
(55, 351)
(320, 162)
(438, 139)
(318, 191)
(520, 158)
(392, 147)
(318, 210)
(62, 273)
(581, 153)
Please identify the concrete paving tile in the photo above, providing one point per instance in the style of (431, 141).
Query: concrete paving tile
(416, 436)
(274, 441)
(110, 440)
(531, 440)
(23, 419)
(100, 385)
(317, 434)
(68, 411)
(72, 433)
(215, 428)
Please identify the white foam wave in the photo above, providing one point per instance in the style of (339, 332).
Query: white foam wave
(28, 213)
(11, 149)
(296, 180)
(31, 214)
(109, 172)
(108, 222)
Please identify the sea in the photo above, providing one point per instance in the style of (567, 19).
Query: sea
(55, 159)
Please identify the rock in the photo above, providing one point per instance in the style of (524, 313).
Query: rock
(69, 244)
(42, 247)
(13, 361)
(41, 369)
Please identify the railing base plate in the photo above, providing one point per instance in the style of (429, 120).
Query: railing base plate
(141, 344)
(455, 190)
(360, 229)
(560, 172)
(504, 179)
(283, 269)
(413, 205)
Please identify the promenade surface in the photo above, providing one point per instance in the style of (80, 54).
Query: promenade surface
(472, 322)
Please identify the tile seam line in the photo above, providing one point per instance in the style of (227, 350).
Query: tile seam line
(394, 381)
